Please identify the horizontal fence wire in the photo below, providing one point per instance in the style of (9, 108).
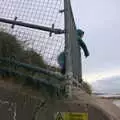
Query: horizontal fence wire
(39, 12)
(9, 72)
(16, 64)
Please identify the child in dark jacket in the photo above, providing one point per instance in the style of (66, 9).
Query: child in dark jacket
(61, 57)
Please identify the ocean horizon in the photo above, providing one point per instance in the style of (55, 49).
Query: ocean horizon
(109, 87)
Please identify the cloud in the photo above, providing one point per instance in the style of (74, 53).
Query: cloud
(91, 77)
(100, 21)
(107, 85)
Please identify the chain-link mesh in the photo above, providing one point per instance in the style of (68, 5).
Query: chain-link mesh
(39, 12)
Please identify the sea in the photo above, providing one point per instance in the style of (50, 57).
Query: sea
(108, 95)
(117, 103)
(108, 87)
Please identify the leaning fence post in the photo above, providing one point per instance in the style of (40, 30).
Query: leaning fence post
(68, 59)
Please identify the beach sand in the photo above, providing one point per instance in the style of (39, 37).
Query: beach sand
(106, 106)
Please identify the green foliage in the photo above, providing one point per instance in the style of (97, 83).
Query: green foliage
(87, 87)
(10, 46)
(32, 57)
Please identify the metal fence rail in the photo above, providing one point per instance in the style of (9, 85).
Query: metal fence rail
(16, 65)
(29, 77)
(48, 29)
(12, 68)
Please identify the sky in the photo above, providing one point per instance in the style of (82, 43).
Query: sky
(100, 20)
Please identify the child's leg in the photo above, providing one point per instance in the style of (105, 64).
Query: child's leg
(63, 66)
(63, 69)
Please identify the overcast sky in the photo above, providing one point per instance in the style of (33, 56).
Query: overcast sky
(100, 19)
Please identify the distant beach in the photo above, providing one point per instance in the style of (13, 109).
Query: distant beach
(114, 97)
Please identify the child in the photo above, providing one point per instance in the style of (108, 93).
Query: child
(61, 57)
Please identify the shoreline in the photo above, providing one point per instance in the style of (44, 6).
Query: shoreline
(110, 98)
(106, 106)
(107, 96)
(113, 100)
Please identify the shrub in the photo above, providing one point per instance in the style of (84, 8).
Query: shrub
(87, 87)
(32, 57)
(10, 46)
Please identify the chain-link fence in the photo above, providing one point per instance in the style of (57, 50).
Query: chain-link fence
(38, 12)
(40, 26)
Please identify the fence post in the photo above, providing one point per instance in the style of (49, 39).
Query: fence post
(68, 59)
(72, 49)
